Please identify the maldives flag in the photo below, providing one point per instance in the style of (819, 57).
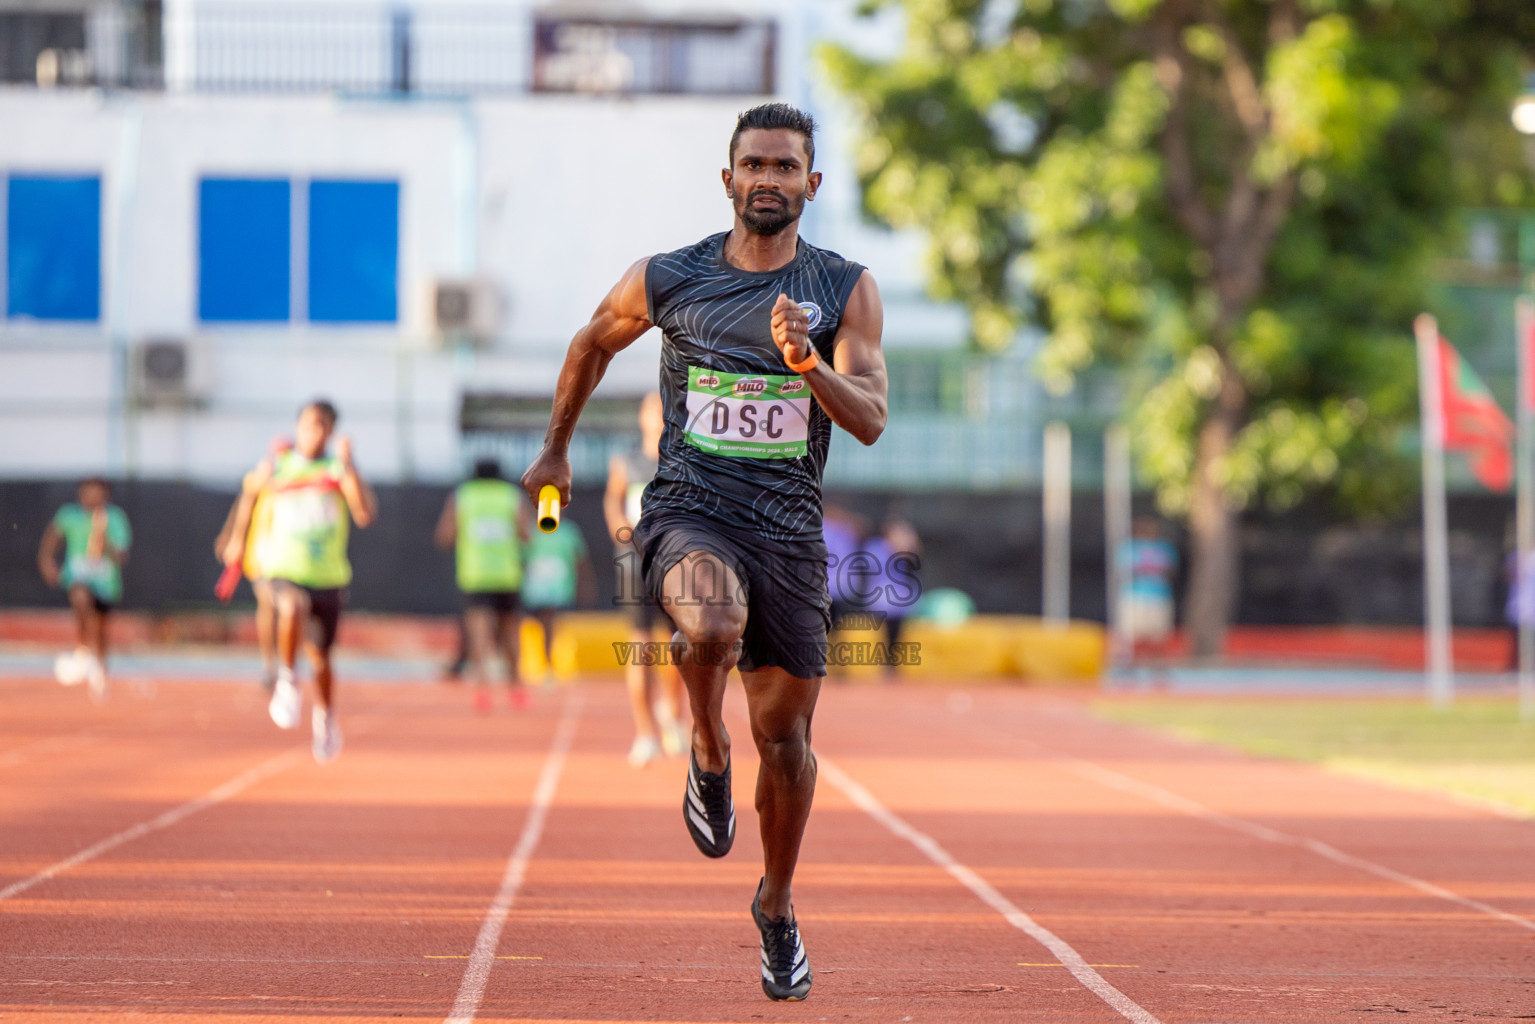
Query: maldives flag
(1473, 422)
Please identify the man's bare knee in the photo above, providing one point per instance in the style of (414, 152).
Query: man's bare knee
(715, 625)
(787, 756)
(705, 600)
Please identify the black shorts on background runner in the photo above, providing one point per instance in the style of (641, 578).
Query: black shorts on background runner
(324, 611)
(642, 612)
(788, 612)
(502, 602)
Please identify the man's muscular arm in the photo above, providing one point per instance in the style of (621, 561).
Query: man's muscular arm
(853, 390)
(621, 317)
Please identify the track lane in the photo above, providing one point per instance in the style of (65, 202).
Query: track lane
(348, 892)
(630, 922)
(1226, 926)
(314, 892)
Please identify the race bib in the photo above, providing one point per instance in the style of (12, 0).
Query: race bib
(84, 569)
(748, 415)
(304, 511)
(491, 530)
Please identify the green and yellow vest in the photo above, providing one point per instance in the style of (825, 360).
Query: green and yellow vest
(307, 532)
(489, 550)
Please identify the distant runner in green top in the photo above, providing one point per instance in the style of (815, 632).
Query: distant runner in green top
(314, 497)
(95, 536)
(486, 523)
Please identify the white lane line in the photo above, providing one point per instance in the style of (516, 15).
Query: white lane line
(1058, 947)
(217, 795)
(472, 989)
(1173, 801)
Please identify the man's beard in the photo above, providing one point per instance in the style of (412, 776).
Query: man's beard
(772, 220)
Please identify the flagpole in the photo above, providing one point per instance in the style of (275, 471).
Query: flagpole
(1525, 506)
(1436, 557)
(1117, 487)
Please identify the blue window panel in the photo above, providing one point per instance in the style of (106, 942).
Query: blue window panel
(244, 248)
(354, 251)
(53, 248)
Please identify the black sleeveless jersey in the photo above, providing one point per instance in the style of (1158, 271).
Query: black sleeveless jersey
(745, 443)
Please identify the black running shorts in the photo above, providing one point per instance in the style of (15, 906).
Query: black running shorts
(502, 602)
(324, 610)
(788, 611)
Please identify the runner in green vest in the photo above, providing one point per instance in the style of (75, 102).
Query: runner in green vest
(486, 523)
(95, 536)
(312, 497)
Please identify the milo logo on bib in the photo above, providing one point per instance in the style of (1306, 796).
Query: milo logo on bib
(748, 415)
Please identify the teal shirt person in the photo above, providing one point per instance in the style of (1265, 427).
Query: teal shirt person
(101, 574)
(550, 579)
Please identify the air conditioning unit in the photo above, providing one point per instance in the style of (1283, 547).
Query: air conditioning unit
(171, 372)
(464, 309)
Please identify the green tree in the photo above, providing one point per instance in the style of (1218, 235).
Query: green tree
(1235, 201)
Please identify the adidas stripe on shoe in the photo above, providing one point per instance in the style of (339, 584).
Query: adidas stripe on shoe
(708, 810)
(786, 973)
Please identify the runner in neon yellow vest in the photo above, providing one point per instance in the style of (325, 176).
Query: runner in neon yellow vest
(486, 522)
(255, 571)
(313, 499)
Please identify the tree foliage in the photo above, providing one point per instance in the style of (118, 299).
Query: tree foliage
(1237, 201)
(1082, 163)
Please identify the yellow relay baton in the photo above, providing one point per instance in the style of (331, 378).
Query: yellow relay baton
(548, 508)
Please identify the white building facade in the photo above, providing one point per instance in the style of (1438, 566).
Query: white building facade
(308, 201)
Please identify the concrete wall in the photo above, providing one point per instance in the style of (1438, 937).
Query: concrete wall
(551, 196)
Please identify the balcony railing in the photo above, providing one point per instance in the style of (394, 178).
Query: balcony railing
(428, 49)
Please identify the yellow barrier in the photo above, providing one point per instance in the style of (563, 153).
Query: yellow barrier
(986, 646)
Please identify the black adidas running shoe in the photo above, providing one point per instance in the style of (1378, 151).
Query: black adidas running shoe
(708, 810)
(786, 973)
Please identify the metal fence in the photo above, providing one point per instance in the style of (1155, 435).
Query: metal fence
(348, 48)
(387, 48)
(959, 422)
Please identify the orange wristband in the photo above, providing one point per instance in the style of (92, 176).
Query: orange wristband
(809, 363)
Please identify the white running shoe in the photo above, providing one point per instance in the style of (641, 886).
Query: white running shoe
(673, 740)
(69, 669)
(327, 735)
(286, 702)
(96, 679)
(644, 750)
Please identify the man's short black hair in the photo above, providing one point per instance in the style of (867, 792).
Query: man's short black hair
(487, 469)
(771, 116)
(95, 481)
(326, 410)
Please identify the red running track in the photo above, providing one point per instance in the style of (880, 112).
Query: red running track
(179, 858)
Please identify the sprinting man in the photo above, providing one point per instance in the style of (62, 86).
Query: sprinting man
(96, 537)
(314, 497)
(767, 341)
(655, 691)
(486, 523)
(557, 576)
(251, 565)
